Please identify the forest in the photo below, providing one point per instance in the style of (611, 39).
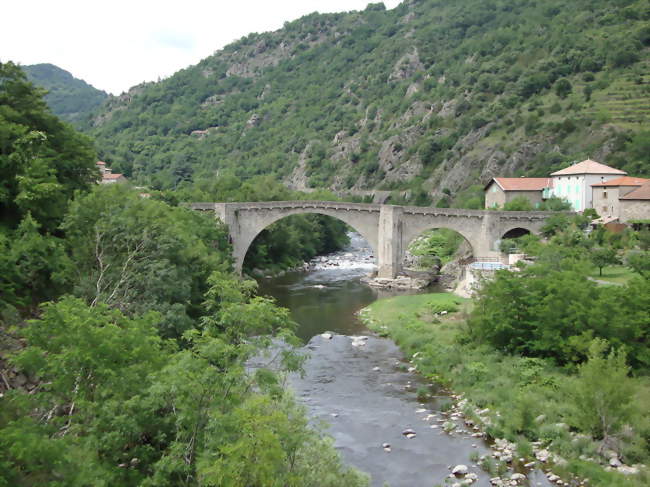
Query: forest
(124, 336)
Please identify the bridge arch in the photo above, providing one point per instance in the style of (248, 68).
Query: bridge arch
(368, 233)
(462, 239)
(247, 221)
(516, 232)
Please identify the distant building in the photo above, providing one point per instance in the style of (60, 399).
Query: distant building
(606, 195)
(574, 183)
(500, 191)
(635, 205)
(107, 175)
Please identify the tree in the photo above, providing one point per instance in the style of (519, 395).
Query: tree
(555, 204)
(563, 88)
(603, 256)
(639, 262)
(520, 203)
(602, 395)
(43, 161)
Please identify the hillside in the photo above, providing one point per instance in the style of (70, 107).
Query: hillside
(69, 98)
(431, 98)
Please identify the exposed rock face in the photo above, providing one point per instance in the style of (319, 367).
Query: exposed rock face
(406, 66)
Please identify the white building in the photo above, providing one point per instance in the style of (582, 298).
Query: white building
(574, 183)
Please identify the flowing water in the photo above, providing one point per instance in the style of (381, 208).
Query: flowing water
(362, 387)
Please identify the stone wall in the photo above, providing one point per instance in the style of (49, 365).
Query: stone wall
(634, 210)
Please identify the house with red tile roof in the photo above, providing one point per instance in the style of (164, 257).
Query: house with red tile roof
(500, 191)
(635, 205)
(606, 195)
(574, 183)
(108, 177)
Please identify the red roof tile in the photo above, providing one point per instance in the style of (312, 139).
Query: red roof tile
(588, 167)
(100, 163)
(641, 193)
(523, 184)
(624, 181)
(112, 176)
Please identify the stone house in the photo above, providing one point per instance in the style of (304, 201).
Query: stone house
(606, 195)
(574, 183)
(107, 174)
(500, 191)
(635, 205)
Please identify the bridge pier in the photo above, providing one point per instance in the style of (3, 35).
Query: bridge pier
(389, 251)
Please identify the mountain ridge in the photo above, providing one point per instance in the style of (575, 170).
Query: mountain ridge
(429, 98)
(68, 97)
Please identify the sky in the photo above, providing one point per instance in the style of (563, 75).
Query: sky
(118, 44)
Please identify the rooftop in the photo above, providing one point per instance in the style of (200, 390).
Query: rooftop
(522, 184)
(112, 176)
(588, 167)
(100, 163)
(641, 193)
(624, 181)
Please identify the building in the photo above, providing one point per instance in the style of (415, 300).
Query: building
(635, 205)
(574, 183)
(606, 195)
(107, 174)
(500, 191)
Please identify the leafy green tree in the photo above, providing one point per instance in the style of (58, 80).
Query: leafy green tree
(137, 254)
(555, 204)
(602, 394)
(602, 257)
(639, 262)
(43, 161)
(520, 203)
(563, 88)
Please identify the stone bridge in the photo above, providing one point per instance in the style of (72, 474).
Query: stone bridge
(388, 229)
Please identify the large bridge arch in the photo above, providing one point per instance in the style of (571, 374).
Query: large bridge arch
(247, 222)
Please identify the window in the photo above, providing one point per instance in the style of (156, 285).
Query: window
(604, 195)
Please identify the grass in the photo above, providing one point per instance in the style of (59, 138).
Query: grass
(522, 389)
(617, 274)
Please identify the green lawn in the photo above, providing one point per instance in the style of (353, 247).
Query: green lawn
(617, 274)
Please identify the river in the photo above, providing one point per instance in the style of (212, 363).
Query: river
(361, 387)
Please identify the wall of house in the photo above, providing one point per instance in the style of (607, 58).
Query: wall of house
(535, 197)
(570, 188)
(495, 197)
(577, 190)
(634, 210)
(605, 201)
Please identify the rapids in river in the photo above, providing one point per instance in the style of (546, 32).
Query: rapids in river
(362, 387)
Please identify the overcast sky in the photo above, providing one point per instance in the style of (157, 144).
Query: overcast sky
(117, 44)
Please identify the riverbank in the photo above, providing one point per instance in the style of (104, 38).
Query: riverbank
(512, 399)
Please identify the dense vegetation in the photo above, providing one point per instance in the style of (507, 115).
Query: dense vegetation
(555, 356)
(125, 341)
(70, 98)
(428, 98)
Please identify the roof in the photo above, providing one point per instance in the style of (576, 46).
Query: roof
(112, 176)
(100, 163)
(603, 220)
(522, 184)
(623, 181)
(588, 167)
(641, 193)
